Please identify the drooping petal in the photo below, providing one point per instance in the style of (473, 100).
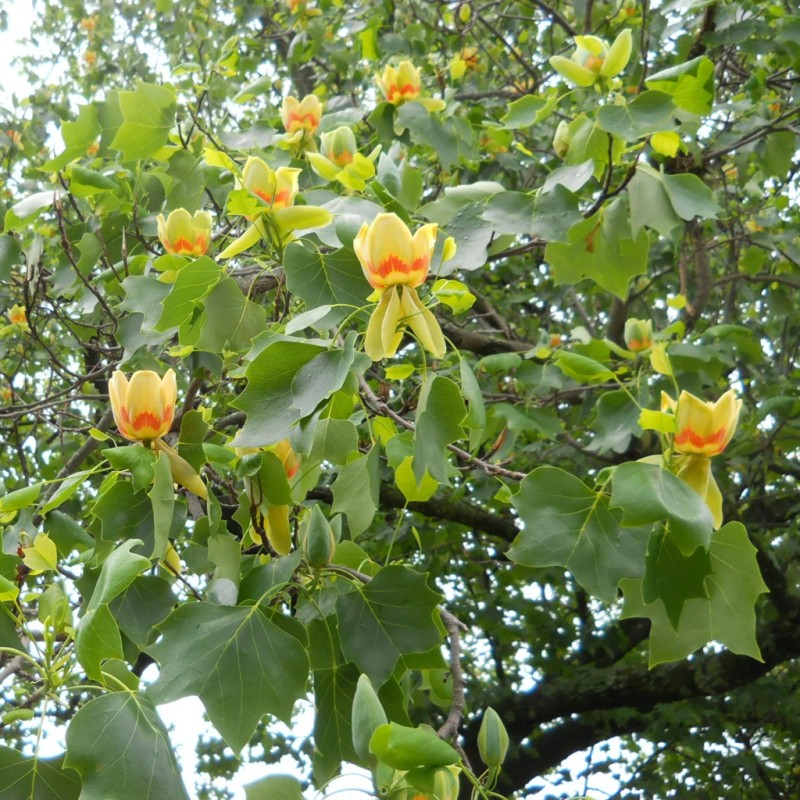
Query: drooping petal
(696, 472)
(183, 473)
(423, 323)
(279, 532)
(394, 311)
(373, 341)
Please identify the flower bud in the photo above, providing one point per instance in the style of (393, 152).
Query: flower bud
(367, 715)
(562, 139)
(319, 541)
(492, 739)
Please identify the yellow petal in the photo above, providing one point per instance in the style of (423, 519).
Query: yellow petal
(423, 323)
(373, 341)
(279, 533)
(389, 338)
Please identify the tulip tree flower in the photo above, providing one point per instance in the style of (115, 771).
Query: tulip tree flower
(272, 518)
(183, 234)
(144, 408)
(638, 335)
(340, 161)
(702, 428)
(404, 82)
(274, 221)
(277, 188)
(395, 263)
(301, 116)
(593, 60)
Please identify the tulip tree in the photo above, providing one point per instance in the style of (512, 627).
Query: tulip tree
(425, 369)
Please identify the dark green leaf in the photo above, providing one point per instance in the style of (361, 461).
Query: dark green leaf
(567, 524)
(390, 616)
(120, 748)
(236, 660)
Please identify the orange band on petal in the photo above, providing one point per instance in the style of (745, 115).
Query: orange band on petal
(715, 441)
(147, 419)
(183, 247)
(392, 264)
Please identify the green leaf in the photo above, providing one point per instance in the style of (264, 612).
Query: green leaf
(20, 498)
(191, 285)
(440, 414)
(125, 514)
(228, 320)
(236, 660)
(615, 423)
(97, 640)
(650, 205)
(427, 130)
(274, 787)
(648, 493)
(391, 616)
(334, 440)
(148, 115)
(672, 577)
(475, 421)
(567, 524)
(78, 135)
(405, 748)
(334, 689)
(119, 570)
(24, 778)
(285, 382)
(138, 460)
(602, 248)
(528, 110)
(691, 84)
(726, 615)
(162, 496)
(581, 368)
(356, 490)
(690, 197)
(650, 112)
(326, 279)
(120, 748)
(66, 489)
(473, 235)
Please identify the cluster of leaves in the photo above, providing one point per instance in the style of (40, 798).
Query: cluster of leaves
(498, 549)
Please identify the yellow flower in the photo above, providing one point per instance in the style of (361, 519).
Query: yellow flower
(696, 472)
(702, 428)
(638, 334)
(183, 234)
(143, 407)
(390, 255)
(301, 116)
(18, 316)
(400, 306)
(339, 146)
(593, 59)
(287, 456)
(401, 83)
(277, 188)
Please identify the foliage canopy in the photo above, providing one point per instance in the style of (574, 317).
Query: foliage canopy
(481, 498)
